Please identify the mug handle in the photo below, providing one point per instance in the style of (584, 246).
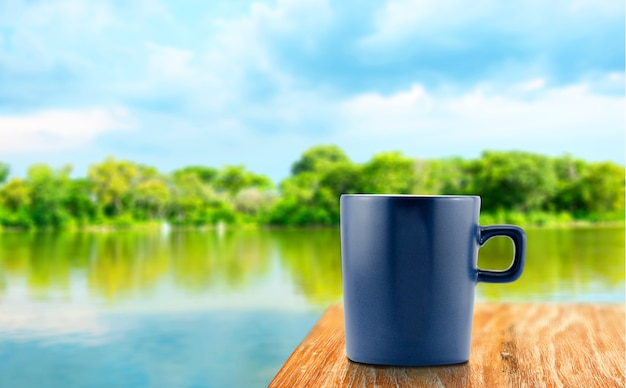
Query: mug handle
(517, 235)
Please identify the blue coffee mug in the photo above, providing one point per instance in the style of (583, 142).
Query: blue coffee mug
(409, 268)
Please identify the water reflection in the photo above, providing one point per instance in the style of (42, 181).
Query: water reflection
(313, 259)
(562, 264)
(231, 260)
(579, 264)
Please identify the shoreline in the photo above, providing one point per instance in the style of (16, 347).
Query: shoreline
(221, 227)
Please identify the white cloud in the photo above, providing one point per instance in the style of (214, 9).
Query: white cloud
(451, 22)
(286, 72)
(604, 6)
(58, 129)
(244, 45)
(532, 85)
(77, 16)
(572, 118)
(170, 62)
(402, 18)
(373, 114)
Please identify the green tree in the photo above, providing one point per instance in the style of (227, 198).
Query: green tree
(233, 179)
(319, 158)
(150, 193)
(15, 203)
(568, 195)
(152, 197)
(514, 185)
(296, 205)
(113, 183)
(206, 174)
(195, 202)
(254, 202)
(189, 196)
(311, 194)
(80, 203)
(15, 195)
(48, 191)
(4, 172)
(443, 176)
(389, 172)
(602, 188)
(341, 178)
(515, 180)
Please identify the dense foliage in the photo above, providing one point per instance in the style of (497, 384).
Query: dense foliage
(515, 186)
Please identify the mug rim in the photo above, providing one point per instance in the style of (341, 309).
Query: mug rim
(416, 196)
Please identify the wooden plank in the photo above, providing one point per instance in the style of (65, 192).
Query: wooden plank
(513, 345)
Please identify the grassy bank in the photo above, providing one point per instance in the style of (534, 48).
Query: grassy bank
(526, 220)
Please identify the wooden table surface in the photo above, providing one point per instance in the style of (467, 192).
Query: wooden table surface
(513, 345)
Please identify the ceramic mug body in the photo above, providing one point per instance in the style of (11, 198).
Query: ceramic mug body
(409, 268)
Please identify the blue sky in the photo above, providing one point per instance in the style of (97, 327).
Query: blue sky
(172, 83)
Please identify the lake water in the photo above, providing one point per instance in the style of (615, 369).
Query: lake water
(192, 308)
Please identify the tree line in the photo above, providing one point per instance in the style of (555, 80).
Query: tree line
(515, 186)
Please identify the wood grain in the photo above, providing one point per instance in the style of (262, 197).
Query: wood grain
(513, 345)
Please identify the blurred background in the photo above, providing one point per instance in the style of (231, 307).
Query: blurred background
(170, 172)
